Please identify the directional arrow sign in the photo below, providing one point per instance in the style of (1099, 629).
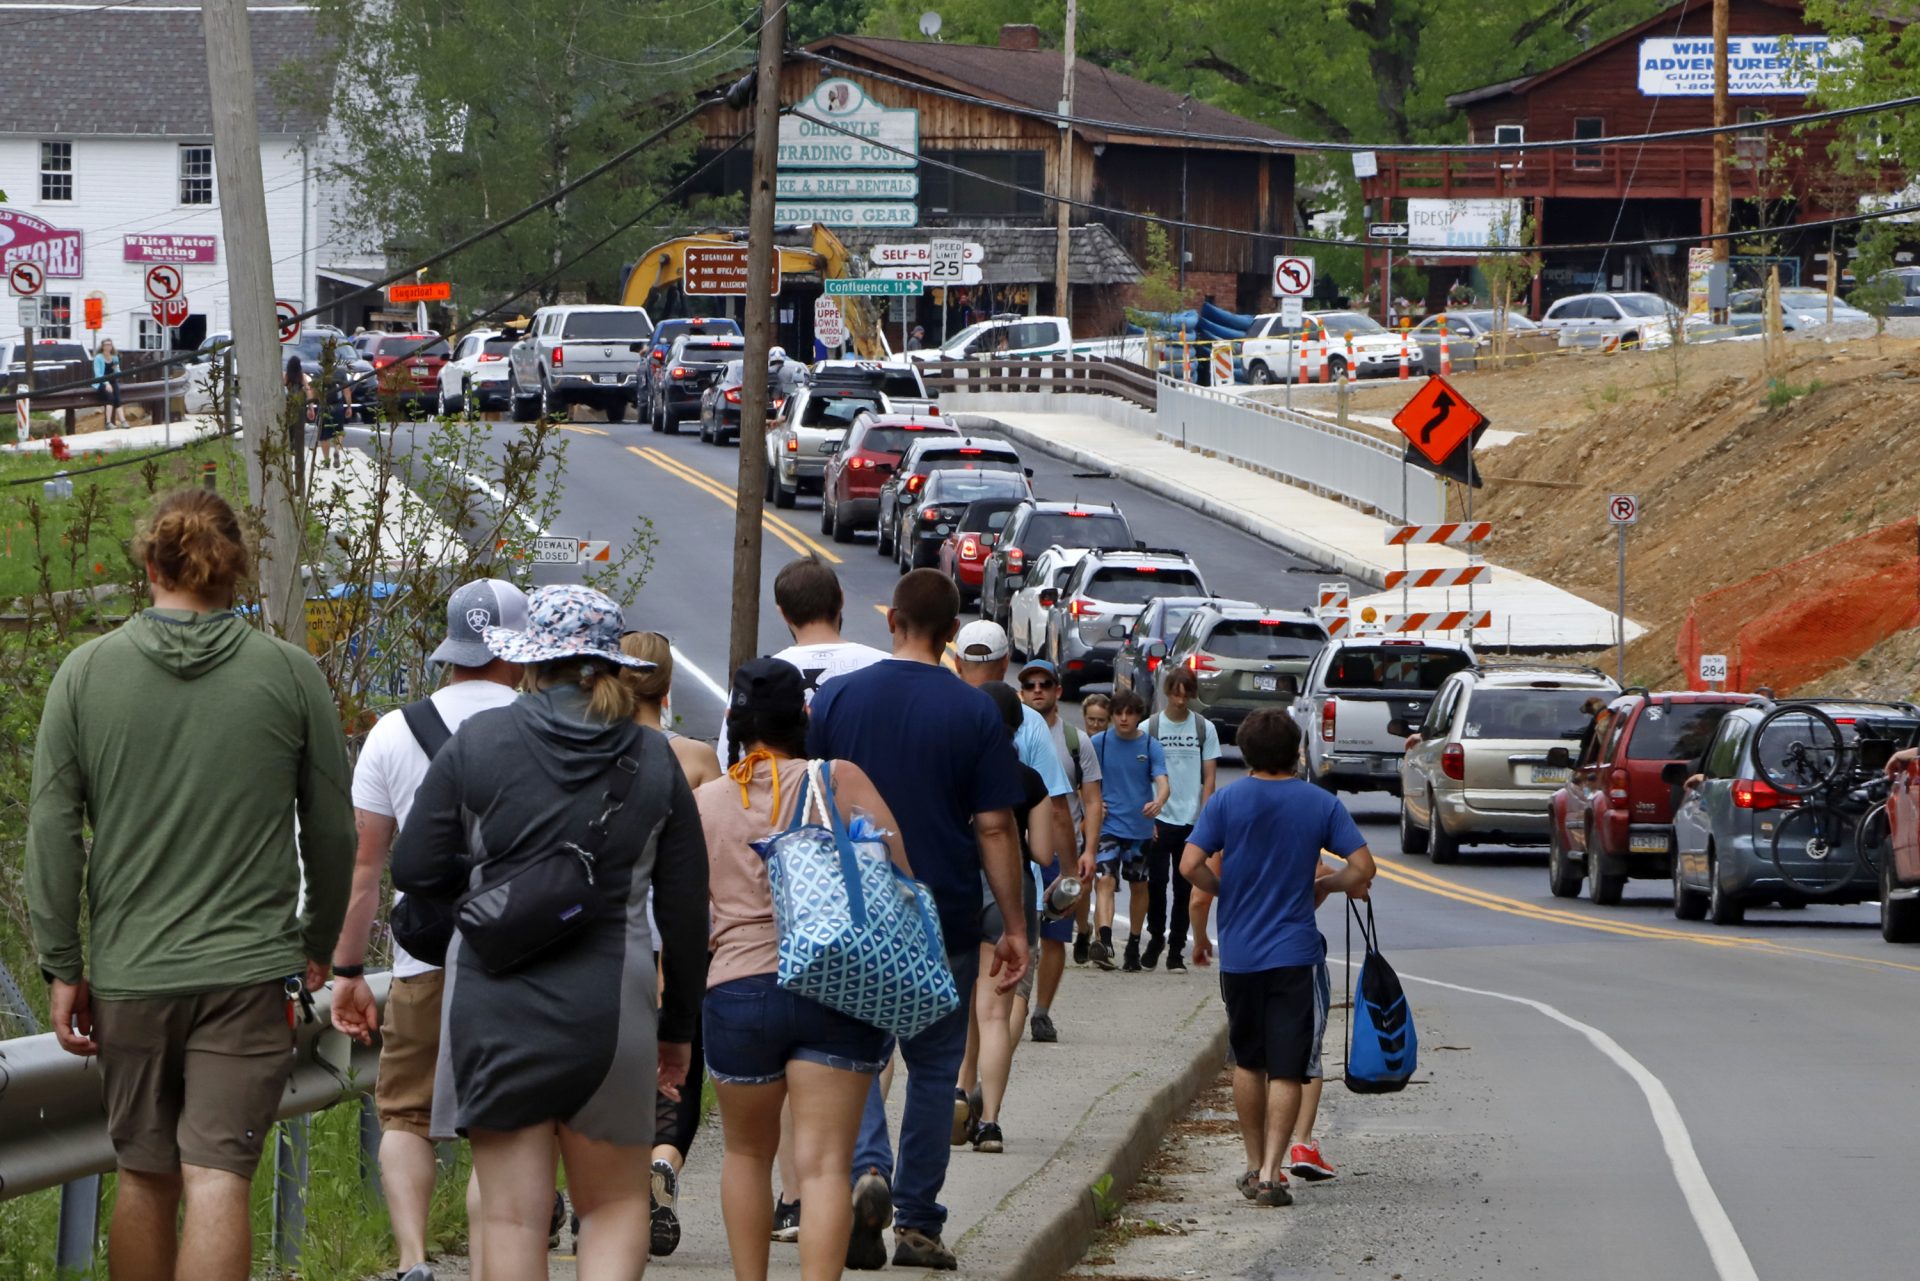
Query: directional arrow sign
(1387, 231)
(1438, 421)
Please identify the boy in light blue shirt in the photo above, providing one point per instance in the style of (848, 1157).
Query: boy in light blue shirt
(1133, 777)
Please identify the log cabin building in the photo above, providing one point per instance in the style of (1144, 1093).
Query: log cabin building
(871, 196)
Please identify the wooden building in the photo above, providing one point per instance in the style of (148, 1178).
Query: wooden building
(1003, 158)
(1652, 77)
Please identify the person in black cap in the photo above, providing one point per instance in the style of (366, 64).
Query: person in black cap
(764, 1043)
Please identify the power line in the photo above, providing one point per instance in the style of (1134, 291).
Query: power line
(697, 53)
(67, 12)
(1302, 145)
(1410, 250)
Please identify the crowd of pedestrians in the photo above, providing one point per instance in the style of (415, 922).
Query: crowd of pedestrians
(569, 871)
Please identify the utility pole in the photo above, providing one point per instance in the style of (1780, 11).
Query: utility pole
(1186, 127)
(256, 331)
(1722, 180)
(1063, 186)
(748, 502)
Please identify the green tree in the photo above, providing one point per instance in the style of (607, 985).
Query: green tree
(454, 114)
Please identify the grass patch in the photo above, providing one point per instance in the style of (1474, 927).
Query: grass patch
(53, 561)
(1781, 394)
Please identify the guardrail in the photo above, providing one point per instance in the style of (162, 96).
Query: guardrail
(1100, 375)
(53, 1125)
(1333, 461)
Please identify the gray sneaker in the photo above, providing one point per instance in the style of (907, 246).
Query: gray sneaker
(1043, 1029)
(418, 1272)
(913, 1248)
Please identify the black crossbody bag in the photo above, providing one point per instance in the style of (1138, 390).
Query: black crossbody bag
(541, 901)
(422, 925)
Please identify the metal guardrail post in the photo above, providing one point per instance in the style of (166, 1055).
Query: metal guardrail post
(79, 1226)
(292, 1139)
(370, 1147)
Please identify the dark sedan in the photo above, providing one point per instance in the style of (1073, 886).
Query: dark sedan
(931, 514)
(720, 403)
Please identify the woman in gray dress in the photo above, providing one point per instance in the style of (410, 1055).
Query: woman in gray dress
(565, 1045)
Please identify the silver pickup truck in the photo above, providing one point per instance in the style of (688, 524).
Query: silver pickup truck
(1354, 690)
(577, 355)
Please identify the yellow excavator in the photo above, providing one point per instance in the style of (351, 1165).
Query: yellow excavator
(664, 265)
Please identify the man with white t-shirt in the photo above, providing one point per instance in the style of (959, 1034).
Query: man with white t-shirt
(391, 766)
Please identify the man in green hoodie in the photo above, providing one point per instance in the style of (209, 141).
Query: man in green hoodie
(190, 744)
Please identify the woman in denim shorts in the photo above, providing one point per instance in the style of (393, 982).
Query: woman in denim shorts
(764, 1043)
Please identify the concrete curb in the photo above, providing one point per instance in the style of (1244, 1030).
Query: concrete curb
(1046, 1223)
(1288, 540)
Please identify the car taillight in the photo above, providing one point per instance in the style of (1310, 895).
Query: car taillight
(1016, 560)
(381, 362)
(859, 464)
(971, 452)
(1755, 794)
(1153, 664)
(929, 515)
(679, 371)
(1329, 718)
(487, 357)
(915, 483)
(1081, 608)
(969, 548)
(559, 355)
(1453, 762)
(1201, 663)
(1617, 785)
(793, 443)
(659, 357)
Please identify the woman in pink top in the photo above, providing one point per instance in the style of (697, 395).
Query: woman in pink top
(762, 1041)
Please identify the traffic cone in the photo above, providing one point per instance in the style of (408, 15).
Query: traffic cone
(1403, 349)
(1349, 370)
(1446, 351)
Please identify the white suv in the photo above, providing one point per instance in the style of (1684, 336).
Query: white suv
(1609, 320)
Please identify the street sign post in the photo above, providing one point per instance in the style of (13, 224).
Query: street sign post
(946, 257)
(556, 551)
(1713, 669)
(1441, 428)
(870, 287)
(425, 291)
(29, 313)
(829, 326)
(170, 312)
(1387, 230)
(1623, 510)
(25, 279)
(1292, 276)
(721, 271)
(163, 282)
(288, 316)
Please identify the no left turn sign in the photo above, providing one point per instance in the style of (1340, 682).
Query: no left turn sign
(164, 282)
(1623, 509)
(26, 279)
(288, 314)
(1292, 277)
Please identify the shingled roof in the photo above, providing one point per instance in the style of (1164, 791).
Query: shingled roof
(1022, 255)
(140, 69)
(1030, 78)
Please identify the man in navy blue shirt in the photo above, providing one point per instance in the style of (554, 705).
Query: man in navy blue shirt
(1257, 849)
(939, 753)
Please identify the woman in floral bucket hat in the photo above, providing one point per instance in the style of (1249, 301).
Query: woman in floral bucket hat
(566, 1045)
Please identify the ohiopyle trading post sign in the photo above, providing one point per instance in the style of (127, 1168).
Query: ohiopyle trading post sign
(847, 160)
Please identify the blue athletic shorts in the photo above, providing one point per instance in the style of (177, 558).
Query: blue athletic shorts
(1118, 856)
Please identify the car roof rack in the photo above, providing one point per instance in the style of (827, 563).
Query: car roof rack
(1148, 551)
(1502, 668)
(1847, 702)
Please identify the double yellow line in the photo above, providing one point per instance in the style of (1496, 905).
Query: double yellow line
(779, 528)
(1427, 882)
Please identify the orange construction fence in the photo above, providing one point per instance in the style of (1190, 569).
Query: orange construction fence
(1801, 620)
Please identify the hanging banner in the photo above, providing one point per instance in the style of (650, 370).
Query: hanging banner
(1756, 65)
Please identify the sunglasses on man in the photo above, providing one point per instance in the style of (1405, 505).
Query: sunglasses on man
(1039, 684)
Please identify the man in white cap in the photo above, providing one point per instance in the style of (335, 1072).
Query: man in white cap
(391, 765)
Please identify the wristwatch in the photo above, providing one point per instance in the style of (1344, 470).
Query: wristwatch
(349, 971)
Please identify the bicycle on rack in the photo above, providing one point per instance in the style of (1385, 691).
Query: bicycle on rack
(1834, 771)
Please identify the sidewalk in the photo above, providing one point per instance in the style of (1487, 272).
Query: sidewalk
(1098, 1102)
(1526, 611)
(154, 436)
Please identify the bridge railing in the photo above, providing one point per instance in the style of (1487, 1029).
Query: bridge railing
(1099, 375)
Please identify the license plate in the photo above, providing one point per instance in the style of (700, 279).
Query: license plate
(1266, 684)
(607, 378)
(419, 367)
(1551, 774)
(1647, 843)
(1386, 765)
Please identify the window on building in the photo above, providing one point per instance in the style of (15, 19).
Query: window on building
(196, 174)
(1588, 127)
(949, 195)
(1750, 145)
(1508, 136)
(56, 171)
(148, 335)
(56, 316)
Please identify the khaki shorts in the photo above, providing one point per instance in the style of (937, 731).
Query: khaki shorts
(194, 1079)
(409, 1048)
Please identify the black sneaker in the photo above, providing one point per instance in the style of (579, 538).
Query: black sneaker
(962, 1119)
(872, 1211)
(913, 1248)
(1132, 963)
(558, 1221)
(663, 1196)
(1150, 959)
(1081, 944)
(1176, 962)
(1043, 1029)
(786, 1221)
(1102, 954)
(987, 1137)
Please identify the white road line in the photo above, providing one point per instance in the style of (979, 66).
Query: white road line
(492, 491)
(712, 686)
(1730, 1261)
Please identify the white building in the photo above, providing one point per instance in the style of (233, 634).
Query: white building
(107, 162)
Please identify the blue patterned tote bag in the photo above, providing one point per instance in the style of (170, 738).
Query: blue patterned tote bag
(856, 934)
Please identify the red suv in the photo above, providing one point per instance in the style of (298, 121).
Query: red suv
(859, 465)
(406, 366)
(1614, 818)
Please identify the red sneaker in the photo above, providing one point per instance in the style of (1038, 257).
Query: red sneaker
(1304, 1159)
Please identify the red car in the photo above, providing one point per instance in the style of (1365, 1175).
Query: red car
(1614, 818)
(406, 366)
(859, 465)
(963, 556)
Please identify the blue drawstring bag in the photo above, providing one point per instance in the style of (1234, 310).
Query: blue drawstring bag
(1383, 1048)
(856, 933)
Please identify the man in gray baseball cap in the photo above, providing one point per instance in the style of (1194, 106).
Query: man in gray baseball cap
(391, 765)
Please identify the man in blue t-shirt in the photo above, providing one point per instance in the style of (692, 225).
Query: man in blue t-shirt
(939, 753)
(1257, 849)
(1133, 773)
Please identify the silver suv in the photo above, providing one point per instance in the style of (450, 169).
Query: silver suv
(1612, 320)
(577, 355)
(1088, 620)
(1478, 770)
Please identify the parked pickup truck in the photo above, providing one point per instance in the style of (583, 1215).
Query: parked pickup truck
(1353, 690)
(1014, 335)
(577, 356)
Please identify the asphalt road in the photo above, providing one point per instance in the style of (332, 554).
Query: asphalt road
(1604, 1092)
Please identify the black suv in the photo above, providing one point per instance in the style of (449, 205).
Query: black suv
(1031, 529)
(901, 490)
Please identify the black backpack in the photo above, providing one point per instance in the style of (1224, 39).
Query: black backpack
(424, 926)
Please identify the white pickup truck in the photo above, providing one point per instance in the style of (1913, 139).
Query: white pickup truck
(577, 355)
(1355, 689)
(1014, 335)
